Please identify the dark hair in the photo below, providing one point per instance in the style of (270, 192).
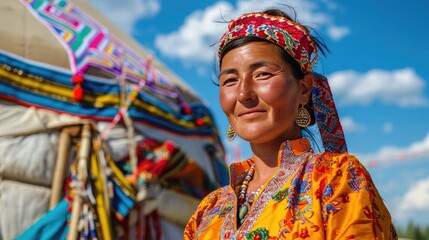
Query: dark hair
(296, 69)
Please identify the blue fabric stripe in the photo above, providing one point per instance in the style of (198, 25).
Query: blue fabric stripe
(89, 111)
(98, 87)
(53, 225)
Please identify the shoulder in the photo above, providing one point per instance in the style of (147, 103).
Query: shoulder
(340, 176)
(207, 216)
(208, 208)
(336, 158)
(211, 201)
(214, 196)
(350, 198)
(331, 163)
(340, 171)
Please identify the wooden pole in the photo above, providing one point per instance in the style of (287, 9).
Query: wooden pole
(81, 177)
(61, 161)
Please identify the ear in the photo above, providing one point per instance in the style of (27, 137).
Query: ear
(306, 87)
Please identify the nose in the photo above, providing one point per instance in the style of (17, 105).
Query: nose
(246, 90)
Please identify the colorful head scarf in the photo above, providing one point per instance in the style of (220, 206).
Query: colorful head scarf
(298, 43)
(287, 34)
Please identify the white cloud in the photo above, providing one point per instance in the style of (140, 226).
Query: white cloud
(191, 42)
(392, 153)
(387, 127)
(337, 33)
(350, 125)
(417, 198)
(415, 201)
(401, 87)
(125, 13)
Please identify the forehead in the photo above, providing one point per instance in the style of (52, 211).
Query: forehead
(251, 52)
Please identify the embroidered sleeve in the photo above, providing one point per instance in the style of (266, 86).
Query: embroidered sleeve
(200, 219)
(191, 227)
(195, 220)
(351, 205)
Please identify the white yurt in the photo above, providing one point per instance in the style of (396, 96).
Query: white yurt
(97, 139)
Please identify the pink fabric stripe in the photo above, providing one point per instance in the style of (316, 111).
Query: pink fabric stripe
(96, 40)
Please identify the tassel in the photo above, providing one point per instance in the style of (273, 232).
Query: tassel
(78, 93)
(77, 78)
(199, 122)
(186, 110)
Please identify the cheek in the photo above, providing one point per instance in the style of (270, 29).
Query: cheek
(281, 96)
(274, 93)
(226, 100)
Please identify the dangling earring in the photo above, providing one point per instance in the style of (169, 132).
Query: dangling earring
(230, 134)
(303, 117)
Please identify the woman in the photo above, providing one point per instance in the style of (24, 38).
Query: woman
(285, 190)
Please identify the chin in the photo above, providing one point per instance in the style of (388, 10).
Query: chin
(265, 136)
(253, 137)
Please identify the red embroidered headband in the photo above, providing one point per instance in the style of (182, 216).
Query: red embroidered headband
(289, 35)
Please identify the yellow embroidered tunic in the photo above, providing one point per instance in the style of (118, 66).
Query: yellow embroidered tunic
(311, 196)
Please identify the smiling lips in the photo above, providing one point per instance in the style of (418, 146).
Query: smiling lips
(251, 112)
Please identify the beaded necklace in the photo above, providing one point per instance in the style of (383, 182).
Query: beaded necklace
(243, 203)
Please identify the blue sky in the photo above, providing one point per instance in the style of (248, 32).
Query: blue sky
(378, 70)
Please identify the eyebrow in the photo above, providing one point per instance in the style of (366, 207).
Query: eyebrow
(262, 64)
(227, 71)
(252, 66)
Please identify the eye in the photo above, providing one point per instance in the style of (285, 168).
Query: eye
(263, 75)
(228, 81)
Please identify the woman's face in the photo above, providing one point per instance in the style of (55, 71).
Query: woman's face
(259, 94)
